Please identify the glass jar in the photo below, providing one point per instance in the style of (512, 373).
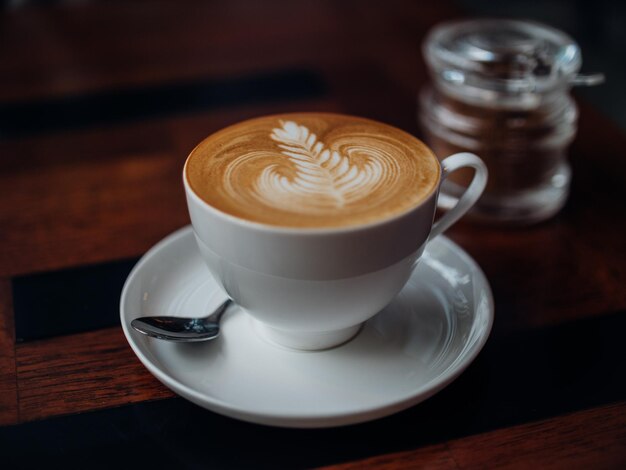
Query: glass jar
(500, 89)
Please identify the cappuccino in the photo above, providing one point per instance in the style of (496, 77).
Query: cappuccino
(312, 170)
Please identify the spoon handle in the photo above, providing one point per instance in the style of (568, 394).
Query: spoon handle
(219, 311)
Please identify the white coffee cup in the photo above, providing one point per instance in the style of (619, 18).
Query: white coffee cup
(313, 288)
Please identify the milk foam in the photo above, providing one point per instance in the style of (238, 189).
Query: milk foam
(323, 179)
(277, 170)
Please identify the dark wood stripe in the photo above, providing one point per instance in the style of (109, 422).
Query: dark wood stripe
(68, 301)
(176, 432)
(83, 372)
(8, 382)
(588, 439)
(554, 443)
(133, 104)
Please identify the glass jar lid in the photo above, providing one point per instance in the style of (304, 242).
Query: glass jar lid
(502, 61)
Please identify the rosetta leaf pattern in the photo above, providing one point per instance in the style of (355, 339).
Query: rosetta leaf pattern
(322, 176)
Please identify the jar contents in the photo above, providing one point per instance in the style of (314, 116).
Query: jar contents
(500, 89)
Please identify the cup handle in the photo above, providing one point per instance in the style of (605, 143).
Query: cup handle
(458, 207)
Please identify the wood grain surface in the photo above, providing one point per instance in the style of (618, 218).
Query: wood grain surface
(551, 444)
(110, 190)
(8, 383)
(82, 372)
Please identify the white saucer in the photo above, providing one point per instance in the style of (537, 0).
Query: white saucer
(412, 349)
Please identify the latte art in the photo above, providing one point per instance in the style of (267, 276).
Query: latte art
(312, 170)
(323, 180)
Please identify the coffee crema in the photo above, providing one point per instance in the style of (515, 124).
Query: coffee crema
(312, 170)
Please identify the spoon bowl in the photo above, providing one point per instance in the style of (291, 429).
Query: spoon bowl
(182, 330)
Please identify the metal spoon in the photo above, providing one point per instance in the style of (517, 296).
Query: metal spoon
(182, 330)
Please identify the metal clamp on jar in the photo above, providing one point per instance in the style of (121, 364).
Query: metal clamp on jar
(500, 89)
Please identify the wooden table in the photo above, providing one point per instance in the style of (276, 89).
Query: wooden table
(99, 105)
